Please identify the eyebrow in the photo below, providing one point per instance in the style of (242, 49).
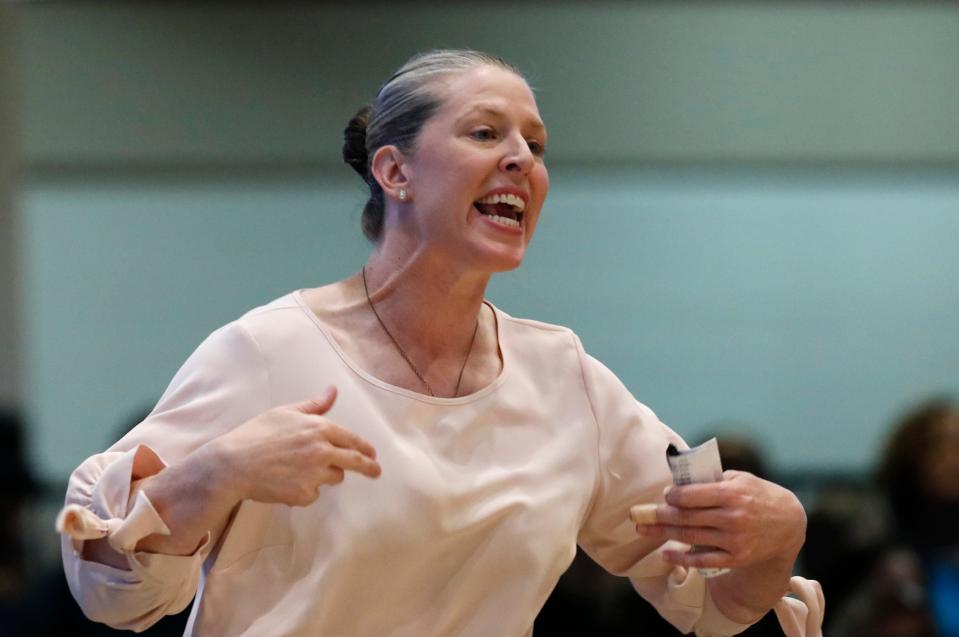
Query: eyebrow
(495, 112)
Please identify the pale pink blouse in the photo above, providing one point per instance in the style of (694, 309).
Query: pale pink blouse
(481, 503)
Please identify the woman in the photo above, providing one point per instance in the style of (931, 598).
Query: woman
(484, 447)
(919, 476)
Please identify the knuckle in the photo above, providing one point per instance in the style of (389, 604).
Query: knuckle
(666, 515)
(308, 430)
(687, 518)
(727, 490)
(678, 496)
(323, 450)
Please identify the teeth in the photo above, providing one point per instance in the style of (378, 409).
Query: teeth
(503, 221)
(509, 198)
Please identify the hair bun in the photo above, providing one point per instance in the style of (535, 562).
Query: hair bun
(354, 142)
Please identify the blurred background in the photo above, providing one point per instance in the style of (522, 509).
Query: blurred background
(753, 221)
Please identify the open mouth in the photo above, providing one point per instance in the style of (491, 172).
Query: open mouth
(506, 209)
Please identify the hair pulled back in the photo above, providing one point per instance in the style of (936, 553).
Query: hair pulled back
(402, 106)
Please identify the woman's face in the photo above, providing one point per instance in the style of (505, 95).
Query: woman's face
(476, 176)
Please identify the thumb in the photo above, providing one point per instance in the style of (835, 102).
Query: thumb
(319, 405)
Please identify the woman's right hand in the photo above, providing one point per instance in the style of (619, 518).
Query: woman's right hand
(286, 454)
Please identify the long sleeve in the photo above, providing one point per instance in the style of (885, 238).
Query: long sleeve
(633, 470)
(224, 383)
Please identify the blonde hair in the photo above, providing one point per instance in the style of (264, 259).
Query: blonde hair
(404, 103)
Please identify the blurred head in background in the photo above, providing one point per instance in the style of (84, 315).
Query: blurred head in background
(919, 473)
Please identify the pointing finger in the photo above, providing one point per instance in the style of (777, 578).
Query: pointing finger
(346, 439)
(353, 460)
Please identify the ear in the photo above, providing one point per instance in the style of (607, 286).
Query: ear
(389, 168)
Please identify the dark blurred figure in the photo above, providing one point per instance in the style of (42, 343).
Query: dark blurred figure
(17, 488)
(847, 535)
(873, 586)
(589, 601)
(740, 453)
(891, 602)
(49, 608)
(919, 474)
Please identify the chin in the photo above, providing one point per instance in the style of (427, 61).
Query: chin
(494, 257)
(506, 263)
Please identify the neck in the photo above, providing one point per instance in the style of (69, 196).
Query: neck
(429, 303)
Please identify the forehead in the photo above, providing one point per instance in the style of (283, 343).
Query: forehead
(488, 89)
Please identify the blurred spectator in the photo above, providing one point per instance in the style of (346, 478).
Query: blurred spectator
(874, 588)
(847, 534)
(589, 601)
(919, 474)
(739, 452)
(43, 604)
(17, 487)
(890, 602)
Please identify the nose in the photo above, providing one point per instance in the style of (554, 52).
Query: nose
(518, 158)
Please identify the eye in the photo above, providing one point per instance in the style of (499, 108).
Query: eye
(484, 134)
(536, 147)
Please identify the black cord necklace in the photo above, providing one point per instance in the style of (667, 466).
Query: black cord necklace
(429, 389)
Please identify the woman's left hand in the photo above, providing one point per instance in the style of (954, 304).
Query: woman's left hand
(737, 522)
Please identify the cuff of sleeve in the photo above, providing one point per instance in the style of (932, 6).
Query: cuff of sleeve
(123, 520)
(802, 615)
(164, 583)
(141, 521)
(168, 569)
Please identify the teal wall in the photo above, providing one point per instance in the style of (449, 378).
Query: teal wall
(810, 308)
(752, 219)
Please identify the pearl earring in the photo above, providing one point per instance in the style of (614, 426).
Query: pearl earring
(402, 194)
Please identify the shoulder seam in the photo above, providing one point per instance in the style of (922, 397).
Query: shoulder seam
(264, 309)
(266, 366)
(539, 325)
